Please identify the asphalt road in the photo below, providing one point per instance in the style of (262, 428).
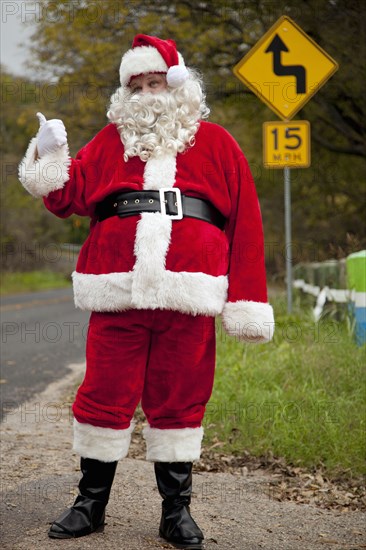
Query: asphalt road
(41, 333)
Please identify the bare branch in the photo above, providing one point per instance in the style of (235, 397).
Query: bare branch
(357, 150)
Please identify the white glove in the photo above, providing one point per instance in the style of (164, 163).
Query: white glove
(51, 135)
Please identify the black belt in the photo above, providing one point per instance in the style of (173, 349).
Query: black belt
(169, 202)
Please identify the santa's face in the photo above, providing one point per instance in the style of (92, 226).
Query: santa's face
(154, 118)
(153, 83)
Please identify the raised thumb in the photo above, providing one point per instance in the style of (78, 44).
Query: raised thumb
(42, 119)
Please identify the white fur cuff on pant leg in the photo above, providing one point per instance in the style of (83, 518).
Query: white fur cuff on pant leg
(104, 444)
(173, 445)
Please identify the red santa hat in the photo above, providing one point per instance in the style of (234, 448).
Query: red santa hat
(150, 54)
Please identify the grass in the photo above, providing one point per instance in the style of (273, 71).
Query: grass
(12, 283)
(301, 397)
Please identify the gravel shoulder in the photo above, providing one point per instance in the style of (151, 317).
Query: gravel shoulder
(235, 509)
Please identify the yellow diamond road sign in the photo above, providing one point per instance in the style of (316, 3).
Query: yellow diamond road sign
(285, 68)
(286, 144)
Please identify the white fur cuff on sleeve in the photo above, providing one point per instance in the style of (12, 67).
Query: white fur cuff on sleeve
(44, 175)
(249, 321)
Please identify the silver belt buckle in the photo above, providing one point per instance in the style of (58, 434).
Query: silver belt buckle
(178, 203)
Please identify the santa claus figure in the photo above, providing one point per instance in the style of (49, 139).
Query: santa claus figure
(175, 240)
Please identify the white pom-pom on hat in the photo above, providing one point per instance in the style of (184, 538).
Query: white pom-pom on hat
(150, 54)
(177, 75)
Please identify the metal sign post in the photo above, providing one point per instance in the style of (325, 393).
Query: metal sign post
(285, 69)
(288, 247)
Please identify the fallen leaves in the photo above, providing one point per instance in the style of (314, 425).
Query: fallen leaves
(281, 481)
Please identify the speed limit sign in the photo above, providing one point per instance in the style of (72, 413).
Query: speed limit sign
(286, 144)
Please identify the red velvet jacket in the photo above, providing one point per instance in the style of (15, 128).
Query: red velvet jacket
(150, 261)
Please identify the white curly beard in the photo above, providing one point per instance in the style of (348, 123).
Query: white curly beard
(154, 124)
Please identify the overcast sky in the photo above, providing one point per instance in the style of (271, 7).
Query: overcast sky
(14, 31)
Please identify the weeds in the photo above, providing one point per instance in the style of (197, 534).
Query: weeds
(301, 397)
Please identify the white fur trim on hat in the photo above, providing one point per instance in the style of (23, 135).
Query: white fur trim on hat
(146, 59)
(173, 445)
(249, 321)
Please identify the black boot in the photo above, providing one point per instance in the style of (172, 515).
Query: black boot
(88, 511)
(177, 527)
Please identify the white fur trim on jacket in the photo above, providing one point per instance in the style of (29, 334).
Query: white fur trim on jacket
(151, 246)
(173, 445)
(44, 175)
(192, 293)
(105, 444)
(249, 321)
(160, 172)
(152, 236)
(149, 285)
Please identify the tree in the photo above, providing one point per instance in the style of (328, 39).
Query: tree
(82, 43)
(28, 230)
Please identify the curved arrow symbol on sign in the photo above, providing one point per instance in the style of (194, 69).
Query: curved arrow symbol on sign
(298, 71)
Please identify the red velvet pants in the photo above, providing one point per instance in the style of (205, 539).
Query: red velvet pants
(166, 359)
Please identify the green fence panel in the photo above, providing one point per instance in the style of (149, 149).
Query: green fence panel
(356, 271)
